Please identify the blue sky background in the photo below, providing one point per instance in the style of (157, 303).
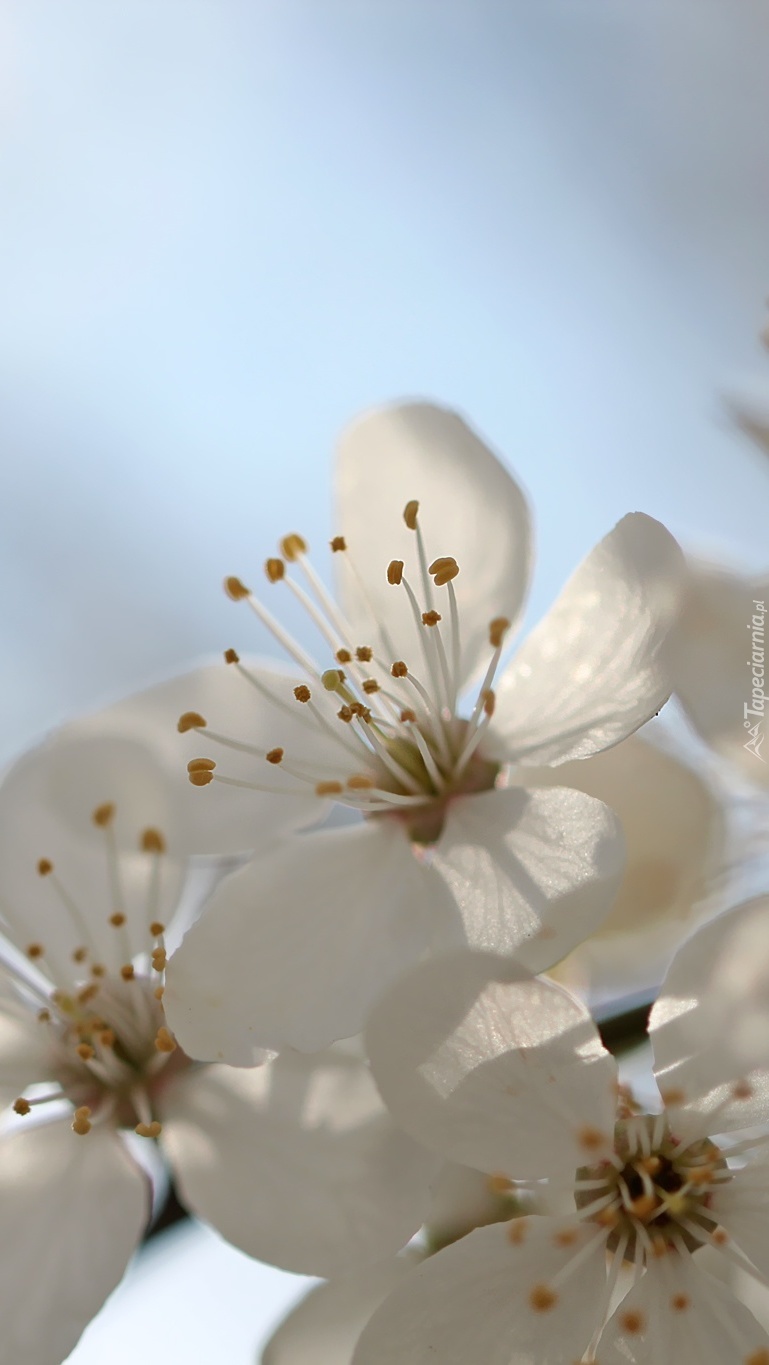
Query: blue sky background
(228, 225)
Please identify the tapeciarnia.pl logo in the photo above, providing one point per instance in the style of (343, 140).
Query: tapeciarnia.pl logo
(756, 707)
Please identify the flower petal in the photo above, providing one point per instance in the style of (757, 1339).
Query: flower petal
(674, 834)
(25, 1057)
(711, 663)
(592, 671)
(295, 948)
(710, 1023)
(298, 1162)
(533, 872)
(73, 1210)
(678, 1313)
(741, 1206)
(487, 1298)
(324, 1328)
(492, 1068)
(470, 508)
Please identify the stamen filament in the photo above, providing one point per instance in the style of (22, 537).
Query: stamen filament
(283, 638)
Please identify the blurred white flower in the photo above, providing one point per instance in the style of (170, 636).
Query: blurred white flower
(296, 1162)
(509, 1074)
(308, 936)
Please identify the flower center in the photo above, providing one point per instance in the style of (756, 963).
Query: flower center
(399, 745)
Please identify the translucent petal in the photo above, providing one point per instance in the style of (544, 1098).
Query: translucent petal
(324, 1328)
(470, 508)
(592, 671)
(741, 1206)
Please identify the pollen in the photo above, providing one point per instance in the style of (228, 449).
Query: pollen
(680, 1302)
(343, 656)
(345, 713)
(274, 755)
(489, 701)
(104, 814)
(644, 1206)
(407, 715)
(201, 765)
(302, 692)
(79, 954)
(191, 720)
(542, 1298)
(498, 629)
(44, 867)
(337, 544)
(443, 570)
(165, 1041)
(360, 782)
(632, 1322)
(149, 1130)
(395, 572)
(85, 1052)
(81, 1122)
(117, 920)
(201, 776)
(235, 589)
(759, 1357)
(231, 656)
(35, 950)
(152, 841)
(364, 654)
(127, 971)
(399, 669)
(156, 928)
(410, 514)
(370, 686)
(108, 1037)
(159, 959)
(44, 1016)
(328, 788)
(159, 992)
(292, 546)
(21, 1106)
(431, 618)
(275, 569)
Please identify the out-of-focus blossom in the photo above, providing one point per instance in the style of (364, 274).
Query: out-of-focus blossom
(510, 1074)
(297, 1161)
(432, 565)
(718, 661)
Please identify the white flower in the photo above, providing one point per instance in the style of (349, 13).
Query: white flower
(309, 935)
(296, 1162)
(510, 1075)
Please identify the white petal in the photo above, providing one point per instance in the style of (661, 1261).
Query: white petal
(295, 948)
(679, 1315)
(469, 507)
(475, 1301)
(711, 661)
(492, 1068)
(533, 872)
(674, 833)
(24, 1052)
(298, 1162)
(741, 1206)
(710, 1023)
(463, 1198)
(325, 1327)
(591, 672)
(72, 1210)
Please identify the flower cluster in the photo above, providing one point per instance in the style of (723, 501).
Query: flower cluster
(307, 982)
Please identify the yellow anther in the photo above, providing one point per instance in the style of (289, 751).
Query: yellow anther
(165, 1041)
(127, 971)
(79, 954)
(364, 654)
(292, 546)
(201, 765)
(565, 1237)
(489, 701)
(360, 782)
(107, 1037)
(720, 1237)
(608, 1218)
(231, 656)
(591, 1139)
(159, 959)
(652, 1165)
(644, 1206)
(81, 1122)
(275, 569)
(85, 1052)
(35, 950)
(149, 1130)
(399, 669)
(542, 1298)
(159, 992)
(21, 1106)
(632, 1322)
(88, 992)
(680, 1302)
(498, 1184)
(332, 679)
(700, 1175)
(191, 720)
(345, 713)
(152, 841)
(302, 692)
(104, 814)
(328, 788)
(443, 570)
(45, 867)
(358, 709)
(395, 572)
(343, 656)
(117, 920)
(498, 629)
(44, 1016)
(410, 514)
(370, 685)
(274, 755)
(156, 928)
(407, 715)
(338, 543)
(200, 776)
(759, 1357)
(235, 589)
(431, 618)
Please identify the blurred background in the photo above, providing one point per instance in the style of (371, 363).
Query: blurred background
(228, 225)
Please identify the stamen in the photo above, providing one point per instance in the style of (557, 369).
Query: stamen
(337, 544)
(293, 546)
(237, 591)
(191, 720)
(443, 570)
(200, 771)
(395, 572)
(81, 1123)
